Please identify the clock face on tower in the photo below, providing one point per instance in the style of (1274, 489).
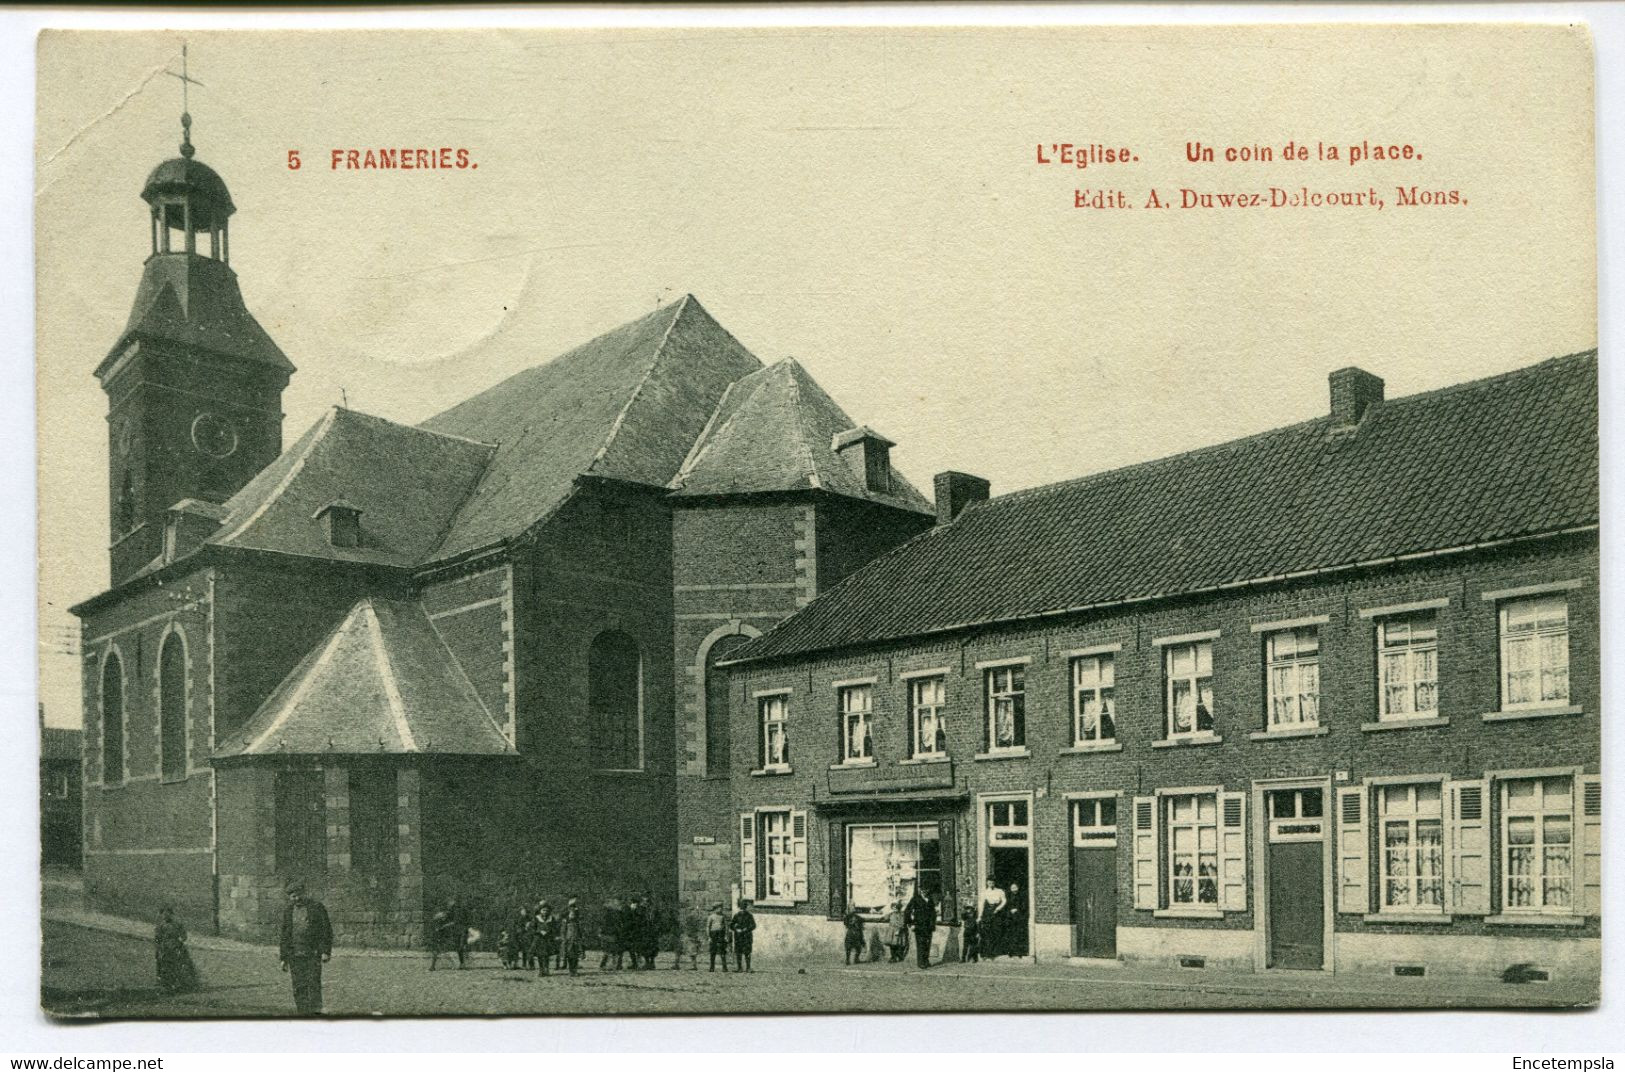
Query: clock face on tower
(214, 435)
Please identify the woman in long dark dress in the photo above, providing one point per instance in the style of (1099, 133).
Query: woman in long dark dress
(176, 972)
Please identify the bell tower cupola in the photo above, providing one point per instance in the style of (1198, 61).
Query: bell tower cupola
(194, 383)
(191, 207)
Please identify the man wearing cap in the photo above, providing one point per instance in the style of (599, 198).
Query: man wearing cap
(743, 926)
(307, 943)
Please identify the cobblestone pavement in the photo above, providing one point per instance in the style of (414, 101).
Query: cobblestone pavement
(95, 972)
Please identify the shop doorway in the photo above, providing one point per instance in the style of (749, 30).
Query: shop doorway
(1008, 826)
(1296, 878)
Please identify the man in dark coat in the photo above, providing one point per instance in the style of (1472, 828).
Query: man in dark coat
(307, 944)
(743, 928)
(921, 917)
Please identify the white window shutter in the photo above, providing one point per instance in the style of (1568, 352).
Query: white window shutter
(1469, 847)
(798, 855)
(1233, 852)
(747, 855)
(1590, 787)
(1145, 852)
(1353, 881)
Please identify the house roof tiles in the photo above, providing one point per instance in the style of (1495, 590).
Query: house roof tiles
(1495, 459)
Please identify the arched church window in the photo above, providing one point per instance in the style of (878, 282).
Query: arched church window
(615, 702)
(112, 720)
(718, 741)
(172, 707)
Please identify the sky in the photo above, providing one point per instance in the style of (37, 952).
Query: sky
(868, 202)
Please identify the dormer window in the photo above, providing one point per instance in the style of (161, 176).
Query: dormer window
(343, 521)
(869, 455)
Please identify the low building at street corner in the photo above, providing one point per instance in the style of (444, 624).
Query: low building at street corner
(1325, 698)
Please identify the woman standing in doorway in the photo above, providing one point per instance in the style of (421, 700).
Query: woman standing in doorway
(1014, 939)
(992, 929)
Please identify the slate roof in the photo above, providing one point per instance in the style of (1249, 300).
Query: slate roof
(407, 482)
(195, 302)
(774, 431)
(1494, 459)
(626, 406)
(382, 682)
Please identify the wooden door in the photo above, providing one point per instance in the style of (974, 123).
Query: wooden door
(1094, 902)
(1297, 905)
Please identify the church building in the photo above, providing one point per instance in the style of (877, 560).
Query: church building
(472, 657)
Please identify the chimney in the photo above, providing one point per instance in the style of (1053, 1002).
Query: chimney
(869, 455)
(1354, 391)
(955, 491)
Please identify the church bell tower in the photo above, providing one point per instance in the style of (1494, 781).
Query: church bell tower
(194, 384)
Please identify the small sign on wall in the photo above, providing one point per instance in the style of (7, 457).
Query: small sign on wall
(702, 839)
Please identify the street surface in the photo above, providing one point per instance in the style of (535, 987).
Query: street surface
(92, 972)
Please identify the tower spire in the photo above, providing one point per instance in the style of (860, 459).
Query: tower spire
(186, 115)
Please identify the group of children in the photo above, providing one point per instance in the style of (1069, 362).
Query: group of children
(538, 939)
(542, 941)
(895, 934)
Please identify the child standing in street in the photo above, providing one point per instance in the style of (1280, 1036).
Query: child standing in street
(716, 927)
(691, 938)
(970, 936)
(854, 936)
(571, 936)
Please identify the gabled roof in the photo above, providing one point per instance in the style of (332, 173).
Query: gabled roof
(194, 301)
(382, 682)
(626, 406)
(1491, 460)
(407, 483)
(774, 431)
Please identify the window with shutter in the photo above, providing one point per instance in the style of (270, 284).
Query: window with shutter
(798, 856)
(1233, 852)
(1469, 848)
(747, 856)
(1145, 852)
(1353, 875)
(1591, 844)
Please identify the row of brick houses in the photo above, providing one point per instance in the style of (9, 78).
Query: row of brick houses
(1323, 698)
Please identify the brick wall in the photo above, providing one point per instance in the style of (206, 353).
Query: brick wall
(740, 566)
(148, 836)
(602, 562)
(734, 574)
(1467, 745)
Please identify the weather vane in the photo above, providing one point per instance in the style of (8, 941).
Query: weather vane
(186, 115)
